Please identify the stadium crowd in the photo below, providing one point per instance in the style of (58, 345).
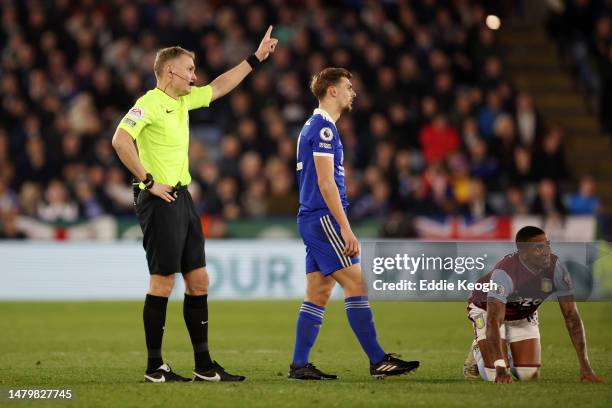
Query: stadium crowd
(583, 32)
(437, 128)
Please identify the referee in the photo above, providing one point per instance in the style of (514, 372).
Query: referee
(158, 124)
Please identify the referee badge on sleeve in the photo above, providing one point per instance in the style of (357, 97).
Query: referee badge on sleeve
(129, 122)
(136, 113)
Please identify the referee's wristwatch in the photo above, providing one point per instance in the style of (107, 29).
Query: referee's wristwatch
(148, 181)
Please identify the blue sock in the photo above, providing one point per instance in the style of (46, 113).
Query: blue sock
(308, 325)
(362, 322)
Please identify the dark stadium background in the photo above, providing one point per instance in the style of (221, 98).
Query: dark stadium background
(459, 131)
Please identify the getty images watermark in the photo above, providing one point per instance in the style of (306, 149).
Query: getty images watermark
(417, 270)
(413, 264)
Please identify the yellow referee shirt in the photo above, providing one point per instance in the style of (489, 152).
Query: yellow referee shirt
(160, 126)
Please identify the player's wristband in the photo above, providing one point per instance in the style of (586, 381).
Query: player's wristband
(499, 363)
(148, 181)
(253, 61)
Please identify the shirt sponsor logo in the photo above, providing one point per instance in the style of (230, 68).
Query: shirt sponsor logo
(326, 134)
(325, 145)
(129, 122)
(136, 113)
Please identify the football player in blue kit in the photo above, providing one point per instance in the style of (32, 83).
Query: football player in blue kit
(332, 250)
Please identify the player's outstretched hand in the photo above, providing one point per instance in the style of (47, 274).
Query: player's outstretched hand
(162, 191)
(267, 45)
(589, 375)
(351, 244)
(503, 378)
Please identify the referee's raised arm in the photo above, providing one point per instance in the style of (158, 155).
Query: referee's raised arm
(227, 81)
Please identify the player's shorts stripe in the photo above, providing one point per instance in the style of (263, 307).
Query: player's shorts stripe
(333, 244)
(337, 239)
(334, 233)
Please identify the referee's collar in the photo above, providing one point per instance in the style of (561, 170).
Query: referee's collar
(165, 96)
(323, 112)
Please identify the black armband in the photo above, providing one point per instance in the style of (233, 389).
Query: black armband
(148, 181)
(253, 61)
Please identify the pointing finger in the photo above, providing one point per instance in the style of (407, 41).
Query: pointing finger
(268, 33)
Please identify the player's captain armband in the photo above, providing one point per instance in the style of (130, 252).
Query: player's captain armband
(503, 286)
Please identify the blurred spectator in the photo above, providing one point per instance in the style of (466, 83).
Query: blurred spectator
(489, 113)
(477, 205)
(529, 123)
(8, 225)
(89, 204)
(29, 198)
(8, 198)
(119, 193)
(549, 161)
(438, 139)
(57, 205)
(548, 200)
(254, 199)
(585, 202)
(483, 166)
(398, 225)
(504, 143)
(521, 173)
(516, 204)
(373, 205)
(282, 199)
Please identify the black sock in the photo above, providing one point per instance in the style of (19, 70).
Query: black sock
(195, 312)
(154, 317)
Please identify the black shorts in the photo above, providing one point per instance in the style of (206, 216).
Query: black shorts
(173, 238)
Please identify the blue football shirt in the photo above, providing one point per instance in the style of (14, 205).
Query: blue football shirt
(318, 137)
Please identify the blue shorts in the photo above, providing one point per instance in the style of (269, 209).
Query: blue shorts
(324, 246)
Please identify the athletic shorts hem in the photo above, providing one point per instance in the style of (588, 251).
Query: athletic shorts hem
(511, 331)
(191, 268)
(326, 274)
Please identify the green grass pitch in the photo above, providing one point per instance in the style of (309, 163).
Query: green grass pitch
(97, 349)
